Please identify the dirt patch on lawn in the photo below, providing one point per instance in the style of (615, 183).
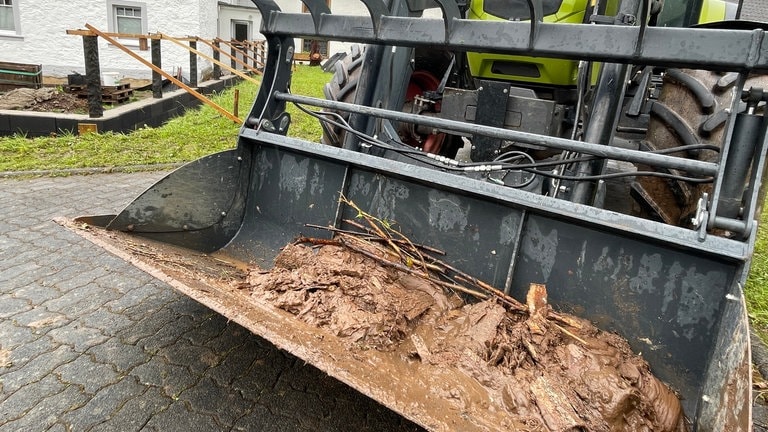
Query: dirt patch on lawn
(45, 99)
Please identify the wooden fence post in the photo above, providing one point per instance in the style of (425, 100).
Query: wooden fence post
(157, 79)
(93, 76)
(216, 67)
(193, 65)
(233, 53)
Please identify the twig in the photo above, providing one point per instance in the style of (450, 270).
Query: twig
(336, 230)
(570, 334)
(372, 223)
(403, 267)
(417, 245)
(317, 241)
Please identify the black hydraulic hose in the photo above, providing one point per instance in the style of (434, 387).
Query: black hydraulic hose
(652, 159)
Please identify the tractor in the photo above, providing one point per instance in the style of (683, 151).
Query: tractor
(613, 151)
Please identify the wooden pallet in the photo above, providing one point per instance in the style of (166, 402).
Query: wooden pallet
(16, 75)
(109, 94)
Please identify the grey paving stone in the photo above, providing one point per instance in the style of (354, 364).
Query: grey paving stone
(40, 319)
(263, 375)
(236, 363)
(24, 353)
(233, 335)
(36, 369)
(193, 309)
(47, 412)
(196, 358)
(103, 404)
(25, 398)
(132, 296)
(10, 306)
(11, 277)
(213, 325)
(133, 284)
(78, 336)
(36, 293)
(286, 401)
(756, 10)
(135, 413)
(57, 427)
(171, 379)
(13, 335)
(167, 334)
(144, 328)
(179, 417)
(80, 300)
(122, 357)
(218, 402)
(109, 323)
(153, 306)
(261, 419)
(82, 371)
(81, 279)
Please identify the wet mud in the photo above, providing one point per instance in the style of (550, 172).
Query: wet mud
(538, 370)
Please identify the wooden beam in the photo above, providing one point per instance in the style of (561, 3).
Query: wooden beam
(210, 44)
(170, 77)
(86, 32)
(244, 53)
(227, 67)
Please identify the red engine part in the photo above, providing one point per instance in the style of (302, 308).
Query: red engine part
(422, 81)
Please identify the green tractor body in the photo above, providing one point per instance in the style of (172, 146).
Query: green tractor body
(556, 72)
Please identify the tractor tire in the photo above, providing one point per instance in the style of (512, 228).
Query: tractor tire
(693, 108)
(342, 88)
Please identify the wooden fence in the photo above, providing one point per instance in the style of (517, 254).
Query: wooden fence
(245, 58)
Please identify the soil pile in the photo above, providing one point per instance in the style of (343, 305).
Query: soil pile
(42, 99)
(546, 371)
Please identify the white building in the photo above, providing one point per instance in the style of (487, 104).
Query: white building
(34, 31)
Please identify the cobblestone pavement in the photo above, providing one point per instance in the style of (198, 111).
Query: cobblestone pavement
(90, 343)
(756, 10)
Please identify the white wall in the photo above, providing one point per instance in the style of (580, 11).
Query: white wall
(44, 40)
(227, 14)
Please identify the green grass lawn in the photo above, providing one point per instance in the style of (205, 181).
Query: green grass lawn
(757, 285)
(203, 131)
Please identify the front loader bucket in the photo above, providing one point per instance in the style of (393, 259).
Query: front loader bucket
(676, 299)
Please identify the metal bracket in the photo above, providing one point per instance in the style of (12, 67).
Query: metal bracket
(266, 7)
(317, 8)
(377, 9)
(450, 13)
(701, 219)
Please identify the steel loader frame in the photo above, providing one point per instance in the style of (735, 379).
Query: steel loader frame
(674, 293)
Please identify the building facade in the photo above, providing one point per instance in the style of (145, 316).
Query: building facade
(35, 31)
